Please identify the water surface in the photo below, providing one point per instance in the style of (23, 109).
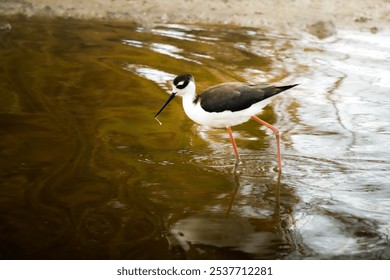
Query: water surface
(87, 173)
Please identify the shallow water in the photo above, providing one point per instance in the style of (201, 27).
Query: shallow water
(87, 173)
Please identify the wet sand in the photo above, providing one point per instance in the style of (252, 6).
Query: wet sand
(318, 17)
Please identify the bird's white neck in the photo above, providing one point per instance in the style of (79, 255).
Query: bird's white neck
(189, 105)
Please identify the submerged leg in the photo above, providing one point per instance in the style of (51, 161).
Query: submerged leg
(234, 148)
(276, 131)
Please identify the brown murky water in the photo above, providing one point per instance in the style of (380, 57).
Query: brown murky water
(87, 173)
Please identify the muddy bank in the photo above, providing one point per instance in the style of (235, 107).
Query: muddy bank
(309, 15)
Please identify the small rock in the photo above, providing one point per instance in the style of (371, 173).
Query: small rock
(362, 19)
(374, 30)
(322, 29)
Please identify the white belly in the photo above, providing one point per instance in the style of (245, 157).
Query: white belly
(222, 119)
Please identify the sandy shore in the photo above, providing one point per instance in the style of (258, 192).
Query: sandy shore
(285, 14)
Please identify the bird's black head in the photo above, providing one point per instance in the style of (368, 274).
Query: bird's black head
(181, 81)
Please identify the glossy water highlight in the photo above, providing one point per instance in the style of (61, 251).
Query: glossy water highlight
(87, 173)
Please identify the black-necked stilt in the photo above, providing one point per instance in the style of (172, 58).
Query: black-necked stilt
(225, 105)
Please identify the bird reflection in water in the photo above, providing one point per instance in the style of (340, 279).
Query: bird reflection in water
(260, 237)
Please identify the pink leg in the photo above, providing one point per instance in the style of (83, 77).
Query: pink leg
(234, 148)
(276, 131)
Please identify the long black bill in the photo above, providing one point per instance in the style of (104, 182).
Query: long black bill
(173, 94)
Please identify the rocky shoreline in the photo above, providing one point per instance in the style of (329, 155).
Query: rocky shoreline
(317, 17)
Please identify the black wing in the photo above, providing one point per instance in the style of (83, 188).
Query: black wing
(236, 96)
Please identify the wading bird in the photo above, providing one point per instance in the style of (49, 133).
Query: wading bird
(226, 105)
